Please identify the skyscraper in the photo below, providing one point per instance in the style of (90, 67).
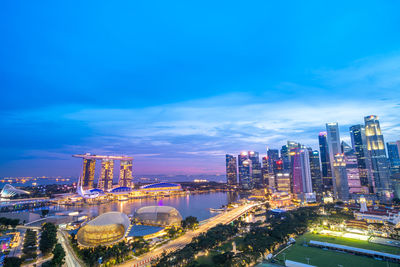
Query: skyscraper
(88, 173)
(285, 157)
(301, 172)
(106, 175)
(394, 156)
(325, 163)
(333, 138)
(125, 174)
(268, 177)
(353, 174)
(273, 155)
(342, 185)
(231, 169)
(256, 168)
(245, 171)
(315, 168)
(281, 177)
(380, 166)
(359, 144)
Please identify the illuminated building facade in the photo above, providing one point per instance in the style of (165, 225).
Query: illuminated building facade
(359, 143)
(333, 138)
(107, 169)
(273, 155)
(377, 151)
(245, 171)
(88, 173)
(394, 156)
(254, 157)
(353, 174)
(301, 173)
(268, 177)
(125, 174)
(106, 175)
(285, 157)
(315, 168)
(231, 169)
(342, 186)
(326, 169)
(281, 177)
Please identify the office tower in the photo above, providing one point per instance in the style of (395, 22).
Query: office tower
(333, 138)
(268, 177)
(256, 168)
(377, 151)
(345, 147)
(359, 144)
(285, 157)
(88, 173)
(353, 173)
(301, 172)
(273, 155)
(245, 171)
(394, 156)
(231, 169)
(340, 172)
(315, 167)
(281, 177)
(125, 174)
(106, 175)
(325, 163)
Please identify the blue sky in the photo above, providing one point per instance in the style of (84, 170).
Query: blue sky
(177, 84)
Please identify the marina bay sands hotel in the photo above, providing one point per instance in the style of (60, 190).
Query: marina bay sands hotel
(107, 171)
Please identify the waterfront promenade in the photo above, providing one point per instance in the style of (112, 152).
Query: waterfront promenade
(180, 242)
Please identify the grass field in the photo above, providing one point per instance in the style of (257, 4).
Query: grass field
(349, 242)
(321, 257)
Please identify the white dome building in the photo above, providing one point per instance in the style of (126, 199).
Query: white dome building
(105, 229)
(158, 215)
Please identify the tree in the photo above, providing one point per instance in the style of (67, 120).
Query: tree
(44, 213)
(48, 238)
(190, 222)
(12, 262)
(59, 255)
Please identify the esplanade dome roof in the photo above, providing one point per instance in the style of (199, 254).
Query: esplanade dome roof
(105, 229)
(158, 215)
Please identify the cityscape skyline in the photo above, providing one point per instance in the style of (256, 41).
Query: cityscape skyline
(178, 100)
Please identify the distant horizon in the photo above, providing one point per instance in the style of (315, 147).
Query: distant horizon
(179, 85)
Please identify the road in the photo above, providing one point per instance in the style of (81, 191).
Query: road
(70, 258)
(182, 241)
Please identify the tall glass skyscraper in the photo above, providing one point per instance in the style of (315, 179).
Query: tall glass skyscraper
(394, 156)
(359, 144)
(315, 168)
(342, 185)
(231, 170)
(256, 168)
(285, 157)
(325, 163)
(273, 155)
(377, 151)
(333, 138)
(245, 171)
(301, 172)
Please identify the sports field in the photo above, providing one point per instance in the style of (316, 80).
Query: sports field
(321, 257)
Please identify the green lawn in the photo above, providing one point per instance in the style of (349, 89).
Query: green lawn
(348, 242)
(321, 257)
(325, 258)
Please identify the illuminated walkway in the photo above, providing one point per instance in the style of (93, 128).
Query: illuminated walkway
(180, 242)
